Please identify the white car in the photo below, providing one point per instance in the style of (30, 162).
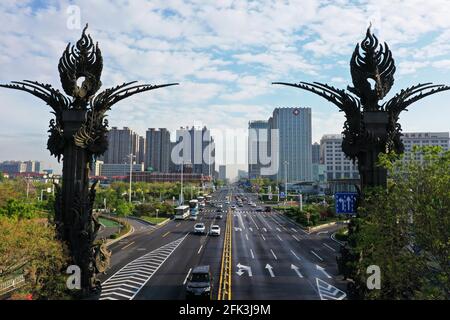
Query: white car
(215, 230)
(199, 228)
(253, 205)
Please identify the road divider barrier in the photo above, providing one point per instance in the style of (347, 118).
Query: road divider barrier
(226, 272)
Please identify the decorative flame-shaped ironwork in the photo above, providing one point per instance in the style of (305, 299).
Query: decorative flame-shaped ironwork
(370, 128)
(78, 133)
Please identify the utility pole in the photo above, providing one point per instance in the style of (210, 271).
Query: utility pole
(181, 200)
(131, 173)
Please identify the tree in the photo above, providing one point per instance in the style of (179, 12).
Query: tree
(405, 230)
(30, 246)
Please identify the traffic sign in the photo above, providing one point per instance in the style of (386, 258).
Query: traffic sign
(281, 194)
(345, 202)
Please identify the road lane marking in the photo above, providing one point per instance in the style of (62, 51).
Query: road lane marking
(294, 230)
(279, 237)
(263, 237)
(165, 234)
(295, 238)
(251, 229)
(295, 255)
(246, 236)
(251, 252)
(329, 247)
(187, 276)
(316, 255)
(329, 292)
(127, 245)
(323, 271)
(278, 229)
(273, 253)
(295, 268)
(136, 273)
(198, 252)
(178, 224)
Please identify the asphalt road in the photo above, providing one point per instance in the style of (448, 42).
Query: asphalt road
(272, 258)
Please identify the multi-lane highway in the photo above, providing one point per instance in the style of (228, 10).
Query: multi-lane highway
(271, 258)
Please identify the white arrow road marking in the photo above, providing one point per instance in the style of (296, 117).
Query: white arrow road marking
(329, 292)
(295, 255)
(269, 268)
(237, 229)
(329, 247)
(251, 229)
(322, 232)
(273, 254)
(187, 276)
(241, 267)
(295, 268)
(264, 229)
(251, 252)
(278, 229)
(323, 271)
(316, 255)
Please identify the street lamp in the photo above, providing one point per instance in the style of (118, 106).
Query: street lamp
(131, 156)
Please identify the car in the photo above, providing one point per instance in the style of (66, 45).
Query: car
(233, 207)
(253, 204)
(215, 230)
(200, 283)
(219, 206)
(227, 202)
(199, 228)
(268, 209)
(259, 209)
(240, 204)
(219, 216)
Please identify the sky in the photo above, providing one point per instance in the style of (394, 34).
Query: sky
(224, 54)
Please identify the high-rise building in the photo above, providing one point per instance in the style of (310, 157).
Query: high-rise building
(337, 166)
(13, 167)
(257, 145)
(222, 172)
(119, 169)
(294, 143)
(411, 139)
(141, 151)
(315, 149)
(197, 148)
(121, 143)
(157, 150)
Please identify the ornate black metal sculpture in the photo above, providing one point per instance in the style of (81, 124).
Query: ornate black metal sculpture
(371, 128)
(79, 134)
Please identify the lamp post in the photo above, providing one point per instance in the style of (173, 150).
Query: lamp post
(78, 134)
(131, 156)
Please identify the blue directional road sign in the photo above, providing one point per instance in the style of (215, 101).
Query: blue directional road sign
(281, 194)
(345, 202)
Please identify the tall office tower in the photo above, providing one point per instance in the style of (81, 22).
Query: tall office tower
(13, 167)
(222, 172)
(294, 143)
(198, 150)
(121, 142)
(337, 166)
(315, 148)
(257, 144)
(157, 150)
(141, 151)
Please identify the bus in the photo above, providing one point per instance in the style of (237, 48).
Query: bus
(193, 205)
(181, 212)
(201, 200)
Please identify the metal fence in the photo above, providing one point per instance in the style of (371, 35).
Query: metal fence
(11, 284)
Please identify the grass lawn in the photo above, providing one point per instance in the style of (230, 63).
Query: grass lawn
(153, 219)
(108, 223)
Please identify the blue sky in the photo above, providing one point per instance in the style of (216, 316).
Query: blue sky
(225, 54)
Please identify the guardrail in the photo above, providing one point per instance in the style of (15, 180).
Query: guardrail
(226, 273)
(11, 284)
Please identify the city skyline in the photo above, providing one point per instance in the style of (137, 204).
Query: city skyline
(224, 62)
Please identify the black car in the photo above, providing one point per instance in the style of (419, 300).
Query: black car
(200, 283)
(268, 209)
